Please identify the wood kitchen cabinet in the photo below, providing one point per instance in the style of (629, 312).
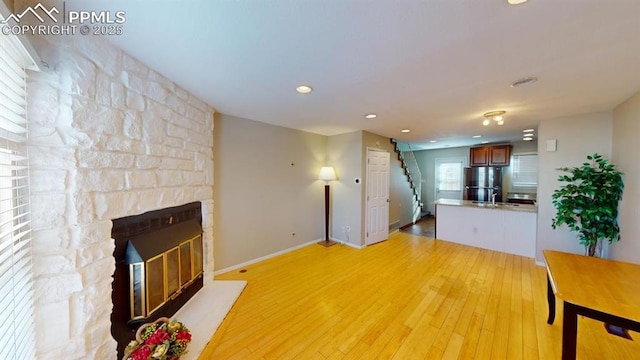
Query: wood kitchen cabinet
(479, 156)
(497, 155)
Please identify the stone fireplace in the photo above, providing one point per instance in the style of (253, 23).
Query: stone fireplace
(109, 139)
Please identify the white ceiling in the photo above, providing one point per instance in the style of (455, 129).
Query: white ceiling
(434, 66)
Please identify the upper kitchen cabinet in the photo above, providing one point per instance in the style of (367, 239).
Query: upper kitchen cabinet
(496, 155)
(499, 155)
(479, 156)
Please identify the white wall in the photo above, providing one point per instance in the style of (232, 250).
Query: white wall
(266, 189)
(344, 153)
(626, 151)
(577, 137)
(109, 138)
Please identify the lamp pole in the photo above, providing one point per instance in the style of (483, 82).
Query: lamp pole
(327, 174)
(326, 212)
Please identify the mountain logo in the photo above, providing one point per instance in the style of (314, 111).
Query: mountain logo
(34, 11)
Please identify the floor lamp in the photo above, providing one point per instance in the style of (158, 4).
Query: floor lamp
(327, 174)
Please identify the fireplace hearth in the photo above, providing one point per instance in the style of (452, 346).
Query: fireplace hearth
(159, 267)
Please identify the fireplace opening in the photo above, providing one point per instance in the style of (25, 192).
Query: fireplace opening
(159, 267)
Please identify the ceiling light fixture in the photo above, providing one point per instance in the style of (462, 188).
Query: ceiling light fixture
(497, 116)
(516, 2)
(528, 135)
(485, 142)
(528, 130)
(476, 136)
(433, 141)
(405, 130)
(370, 116)
(304, 89)
(527, 139)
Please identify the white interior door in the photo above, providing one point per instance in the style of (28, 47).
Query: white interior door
(377, 217)
(448, 178)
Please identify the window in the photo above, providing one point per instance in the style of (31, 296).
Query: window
(16, 293)
(449, 176)
(524, 170)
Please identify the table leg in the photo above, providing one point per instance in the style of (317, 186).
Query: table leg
(569, 331)
(551, 299)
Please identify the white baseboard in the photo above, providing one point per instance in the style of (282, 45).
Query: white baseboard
(396, 231)
(359, 247)
(540, 263)
(235, 267)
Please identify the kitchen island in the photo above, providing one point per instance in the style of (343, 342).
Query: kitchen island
(509, 228)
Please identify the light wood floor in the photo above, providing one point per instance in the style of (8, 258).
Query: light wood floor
(410, 297)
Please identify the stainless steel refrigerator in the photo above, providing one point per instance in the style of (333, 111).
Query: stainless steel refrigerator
(481, 182)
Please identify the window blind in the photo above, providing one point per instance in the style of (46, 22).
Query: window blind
(524, 170)
(16, 276)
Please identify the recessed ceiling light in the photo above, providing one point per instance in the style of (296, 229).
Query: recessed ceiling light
(486, 122)
(433, 141)
(500, 122)
(528, 135)
(476, 136)
(528, 130)
(304, 89)
(405, 130)
(370, 116)
(516, 2)
(527, 139)
(485, 142)
(524, 81)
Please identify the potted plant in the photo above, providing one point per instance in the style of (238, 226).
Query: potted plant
(588, 202)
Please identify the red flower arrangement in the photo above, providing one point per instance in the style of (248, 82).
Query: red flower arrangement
(163, 339)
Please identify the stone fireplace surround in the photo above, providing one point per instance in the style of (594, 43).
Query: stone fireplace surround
(109, 138)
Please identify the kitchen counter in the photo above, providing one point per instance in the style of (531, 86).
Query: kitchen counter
(509, 228)
(488, 205)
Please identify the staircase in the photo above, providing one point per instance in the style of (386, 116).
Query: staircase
(412, 171)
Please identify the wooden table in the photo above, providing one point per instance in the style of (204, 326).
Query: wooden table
(600, 289)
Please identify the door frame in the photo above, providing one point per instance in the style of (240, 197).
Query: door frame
(366, 194)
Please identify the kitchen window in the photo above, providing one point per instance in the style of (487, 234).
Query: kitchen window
(524, 170)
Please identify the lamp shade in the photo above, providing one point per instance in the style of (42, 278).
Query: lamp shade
(327, 173)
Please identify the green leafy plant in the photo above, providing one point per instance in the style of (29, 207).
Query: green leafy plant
(588, 202)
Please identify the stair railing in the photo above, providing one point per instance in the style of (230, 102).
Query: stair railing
(412, 170)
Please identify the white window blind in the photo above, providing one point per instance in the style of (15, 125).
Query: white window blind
(449, 176)
(524, 170)
(16, 277)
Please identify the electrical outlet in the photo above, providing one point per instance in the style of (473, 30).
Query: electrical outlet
(347, 228)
